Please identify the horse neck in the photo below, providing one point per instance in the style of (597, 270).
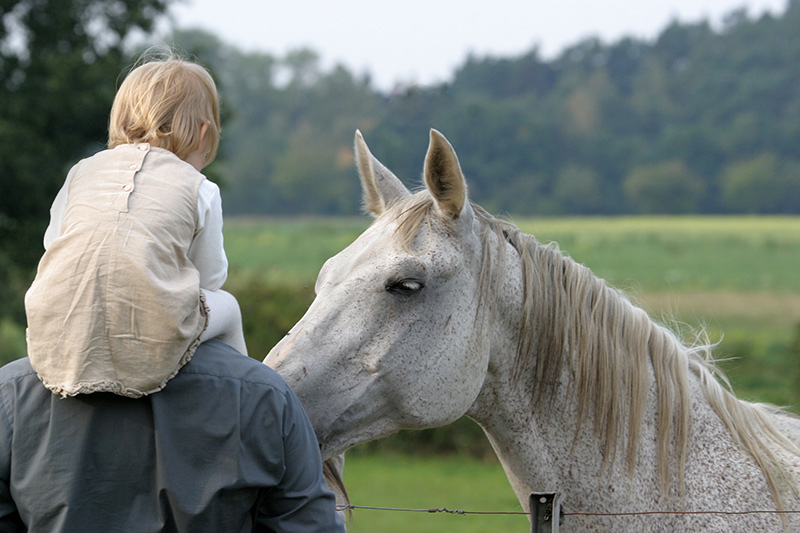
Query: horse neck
(577, 382)
(563, 343)
(529, 447)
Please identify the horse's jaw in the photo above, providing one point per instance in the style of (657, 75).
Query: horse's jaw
(339, 418)
(350, 404)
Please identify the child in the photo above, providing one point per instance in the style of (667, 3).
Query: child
(129, 284)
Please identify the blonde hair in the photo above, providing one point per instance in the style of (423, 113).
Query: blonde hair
(165, 102)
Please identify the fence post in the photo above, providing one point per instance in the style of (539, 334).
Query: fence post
(545, 512)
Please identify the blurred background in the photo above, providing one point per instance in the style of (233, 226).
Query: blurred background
(675, 127)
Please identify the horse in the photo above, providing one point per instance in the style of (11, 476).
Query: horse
(439, 310)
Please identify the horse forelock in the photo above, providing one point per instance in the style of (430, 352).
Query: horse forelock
(572, 317)
(409, 214)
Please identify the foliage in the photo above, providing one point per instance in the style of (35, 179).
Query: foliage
(268, 311)
(12, 341)
(626, 127)
(287, 144)
(762, 184)
(666, 187)
(699, 120)
(59, 61)
(669, 125)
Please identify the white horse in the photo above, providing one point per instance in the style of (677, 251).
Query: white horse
(439, 310)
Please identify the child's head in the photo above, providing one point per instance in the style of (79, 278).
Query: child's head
(165, 103)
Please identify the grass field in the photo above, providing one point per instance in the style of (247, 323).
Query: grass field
(641, 253)
(287, 250)
(745, 254)
(413, 482)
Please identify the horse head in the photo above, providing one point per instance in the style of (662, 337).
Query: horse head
(439, 310)
(390, 341)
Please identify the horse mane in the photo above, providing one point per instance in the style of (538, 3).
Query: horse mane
(571, 317)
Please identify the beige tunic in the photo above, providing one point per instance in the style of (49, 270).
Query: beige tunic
(116, 304)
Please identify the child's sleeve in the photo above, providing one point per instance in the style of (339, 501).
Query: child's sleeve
(207, 252)
(57, 211)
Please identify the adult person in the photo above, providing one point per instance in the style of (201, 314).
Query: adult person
(224, 447)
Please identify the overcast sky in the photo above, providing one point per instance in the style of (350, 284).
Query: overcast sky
(423, 41)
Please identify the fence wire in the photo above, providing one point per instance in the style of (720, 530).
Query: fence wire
(350, 507)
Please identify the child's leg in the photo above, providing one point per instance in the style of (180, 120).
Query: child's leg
(224, 319)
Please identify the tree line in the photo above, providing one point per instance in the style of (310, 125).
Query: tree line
(699, 119)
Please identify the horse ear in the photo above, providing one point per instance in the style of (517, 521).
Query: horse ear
(380, 187)
(443, 176)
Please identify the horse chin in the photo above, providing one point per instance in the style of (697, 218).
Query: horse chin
(333, 444)
(331, 449)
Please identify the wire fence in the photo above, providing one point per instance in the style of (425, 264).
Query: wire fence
(350, 507)
(544, 520)
(547, 513)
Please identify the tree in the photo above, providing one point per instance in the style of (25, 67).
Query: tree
(288, 128)
(59, 62)
(524, 125)
(650, 99)
(313, 176)
(762, 184)
(578, 190)
(666, 187)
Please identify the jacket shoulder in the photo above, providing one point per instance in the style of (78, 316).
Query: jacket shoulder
(19, 368)
(214, 358)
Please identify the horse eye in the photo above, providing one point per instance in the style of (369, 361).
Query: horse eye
(404, 287)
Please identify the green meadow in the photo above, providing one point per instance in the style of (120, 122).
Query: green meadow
(652, 254)
(424, 482)
(286, 251)
(734, 277)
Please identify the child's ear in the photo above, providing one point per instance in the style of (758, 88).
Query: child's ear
(203, 131)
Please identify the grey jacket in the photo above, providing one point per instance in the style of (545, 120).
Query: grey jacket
(225, 447)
